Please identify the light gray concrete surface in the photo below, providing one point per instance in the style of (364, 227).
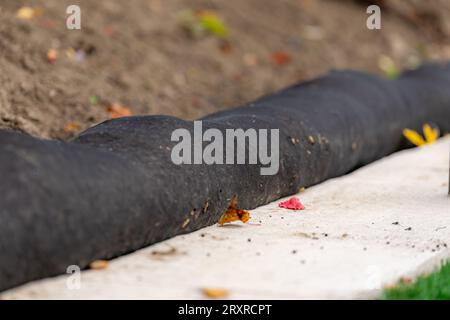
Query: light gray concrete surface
(358, 234)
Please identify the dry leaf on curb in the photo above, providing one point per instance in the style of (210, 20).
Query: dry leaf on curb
(215, 293)
(118, 111)
(234, 214)
(99, 265)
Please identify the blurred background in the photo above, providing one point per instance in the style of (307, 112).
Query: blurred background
(188, 58)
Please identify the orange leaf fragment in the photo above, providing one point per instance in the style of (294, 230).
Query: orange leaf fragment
(118, 111)
(52, 55)
(72, 127)
(99, 265)
(215, 293)
(234, 214)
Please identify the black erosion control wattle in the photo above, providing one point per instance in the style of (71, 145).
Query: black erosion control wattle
(115, 188)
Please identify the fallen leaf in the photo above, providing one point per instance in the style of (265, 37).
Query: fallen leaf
(99, 265)
(26, 13)
(200, 22)
(52, 55)
(226, 47)
(234, 214)
(212, 23)
(78, 55)
(118, 111)
(387, 65)
(93, 100)
(72, 127)
(414, 137)
(70, 53)
(280, 58)
(292, 204)
(215, 293)
(431, 135)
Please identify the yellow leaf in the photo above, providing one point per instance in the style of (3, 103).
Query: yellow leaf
(25, 13)
(414, 137)
(431, 134)
(212, 23)
(387, 65)
(72, 127)
(215, 292)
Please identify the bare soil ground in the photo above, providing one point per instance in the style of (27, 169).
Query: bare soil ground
(136, 54)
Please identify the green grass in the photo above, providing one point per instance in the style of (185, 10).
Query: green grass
(435, 286)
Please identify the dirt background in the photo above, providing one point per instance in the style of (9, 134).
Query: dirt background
(136, 56)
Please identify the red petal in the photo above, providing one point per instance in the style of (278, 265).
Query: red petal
(292, 204)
